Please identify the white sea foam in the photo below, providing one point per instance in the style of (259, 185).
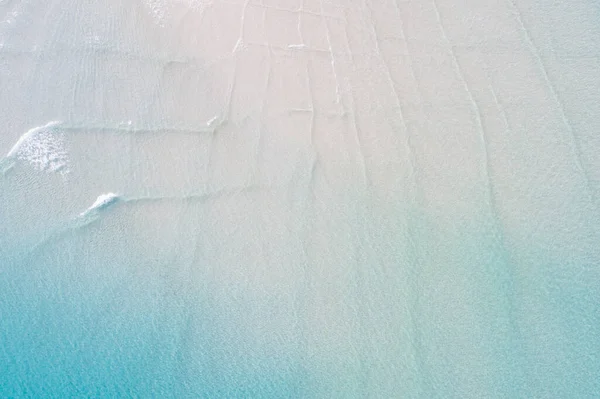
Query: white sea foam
(212, 120)
(43, 147)
(102, 202)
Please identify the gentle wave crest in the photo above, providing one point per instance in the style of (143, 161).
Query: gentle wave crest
(102, 202)
(42, 147)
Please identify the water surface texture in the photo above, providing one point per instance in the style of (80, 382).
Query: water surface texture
(300, 199)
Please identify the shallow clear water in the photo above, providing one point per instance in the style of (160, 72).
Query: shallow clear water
(299, 198)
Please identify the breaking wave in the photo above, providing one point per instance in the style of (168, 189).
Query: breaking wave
(42, 147)
(103, 201)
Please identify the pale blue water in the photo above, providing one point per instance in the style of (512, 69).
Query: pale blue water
(287, 199)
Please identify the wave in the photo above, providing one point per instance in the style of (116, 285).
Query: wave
(43, 147)
(89, 216)
(103, 201)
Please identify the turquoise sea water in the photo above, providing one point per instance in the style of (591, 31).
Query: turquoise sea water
(285, 199)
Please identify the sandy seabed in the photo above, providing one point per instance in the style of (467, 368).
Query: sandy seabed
(299, 198)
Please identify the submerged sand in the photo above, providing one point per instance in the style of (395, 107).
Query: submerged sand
(317, 198)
